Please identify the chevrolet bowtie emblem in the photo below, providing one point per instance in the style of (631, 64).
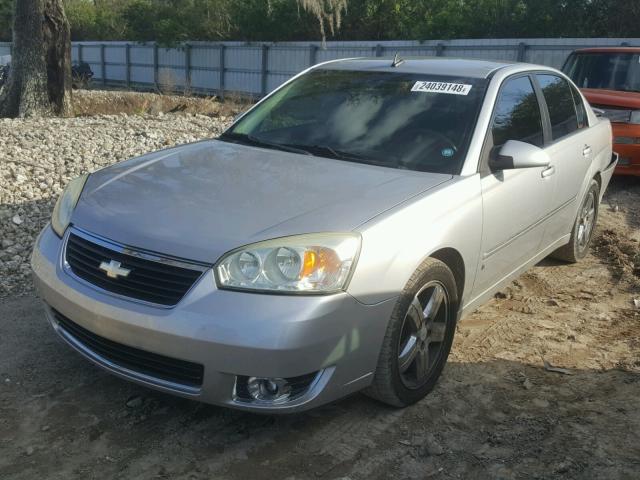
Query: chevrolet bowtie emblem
(114, 269)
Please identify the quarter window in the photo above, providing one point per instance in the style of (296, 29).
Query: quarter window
(562, 109)
(580, 110)
(517, 114)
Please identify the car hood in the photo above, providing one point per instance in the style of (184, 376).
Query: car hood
(201, 200)
(612, 98)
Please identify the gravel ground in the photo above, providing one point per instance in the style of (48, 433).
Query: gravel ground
(39, 157)
(496, 413)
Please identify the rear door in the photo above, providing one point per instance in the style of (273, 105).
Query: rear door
(517, 202)
(569, 147)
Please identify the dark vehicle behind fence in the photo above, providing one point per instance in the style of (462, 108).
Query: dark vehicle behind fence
(81, 72)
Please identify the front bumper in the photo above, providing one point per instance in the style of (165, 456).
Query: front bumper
(230, 333)
(627, 145)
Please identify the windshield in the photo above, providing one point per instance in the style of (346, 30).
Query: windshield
(611, 71)
(398, 120)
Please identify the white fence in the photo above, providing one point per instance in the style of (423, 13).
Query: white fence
(258, 68)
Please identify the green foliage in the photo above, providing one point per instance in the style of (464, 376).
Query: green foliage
(172, 21)
(82, 18)
(279, 20)
(6, 12)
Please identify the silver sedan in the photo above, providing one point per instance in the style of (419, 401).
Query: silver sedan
(329, 241)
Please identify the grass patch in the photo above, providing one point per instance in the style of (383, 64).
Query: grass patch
(111, 102)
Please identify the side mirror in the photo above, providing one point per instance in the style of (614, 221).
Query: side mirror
(515, 154)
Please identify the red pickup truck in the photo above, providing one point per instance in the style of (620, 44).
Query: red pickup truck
(610, 80)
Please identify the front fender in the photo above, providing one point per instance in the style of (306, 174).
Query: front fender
(396, 243)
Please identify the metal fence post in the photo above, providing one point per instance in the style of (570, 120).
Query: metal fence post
(522, 51)
(103, 65)
(313, 54)
(155, 65)
(79, 53)
(264, 70)
(127, 61)
(187, 66)
(440, 49)
(221, 71)
(378, 50)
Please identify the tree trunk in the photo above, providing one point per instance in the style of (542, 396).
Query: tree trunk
(39, 81)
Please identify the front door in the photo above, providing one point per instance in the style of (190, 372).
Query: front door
(516, 202)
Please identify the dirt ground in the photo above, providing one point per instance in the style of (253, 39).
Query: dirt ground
(496, 412)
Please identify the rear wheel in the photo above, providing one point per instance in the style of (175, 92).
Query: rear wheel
(418, 338)
(583, 228)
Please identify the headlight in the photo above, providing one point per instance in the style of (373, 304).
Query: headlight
(66, 204)
(314, 263)
(635, 117)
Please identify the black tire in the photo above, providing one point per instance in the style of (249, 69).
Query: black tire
(390, 384)
(583, 227)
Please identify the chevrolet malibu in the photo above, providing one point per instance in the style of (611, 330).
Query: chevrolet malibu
(331, 238)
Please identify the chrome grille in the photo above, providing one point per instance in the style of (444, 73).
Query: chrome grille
(153, 279)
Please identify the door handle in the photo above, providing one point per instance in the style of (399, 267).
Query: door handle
(548, 171)
(587, 151)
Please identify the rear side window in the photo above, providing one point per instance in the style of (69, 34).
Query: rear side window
(562, 109)
(517, 114)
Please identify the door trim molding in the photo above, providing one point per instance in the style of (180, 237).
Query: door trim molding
(512, 239)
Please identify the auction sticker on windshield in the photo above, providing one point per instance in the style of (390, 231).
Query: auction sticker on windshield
(442, 87)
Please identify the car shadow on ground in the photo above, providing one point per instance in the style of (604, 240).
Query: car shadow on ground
(61, 417)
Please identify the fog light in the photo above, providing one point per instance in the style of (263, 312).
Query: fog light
(271, 390)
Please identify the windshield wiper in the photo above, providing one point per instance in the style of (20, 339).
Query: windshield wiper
(321, 150)
(325, 150)
(247, 139)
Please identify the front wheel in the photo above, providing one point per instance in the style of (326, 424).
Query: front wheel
(418, 337)
(583, 228)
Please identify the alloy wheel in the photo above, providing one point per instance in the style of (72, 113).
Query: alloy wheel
(423, 333)
(586, 220)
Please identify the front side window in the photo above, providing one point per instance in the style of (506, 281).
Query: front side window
(517, 114)
(411, 121)
(562, 109)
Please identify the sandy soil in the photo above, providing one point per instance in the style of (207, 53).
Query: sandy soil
(496, 413)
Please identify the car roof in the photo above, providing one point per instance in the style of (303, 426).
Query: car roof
(609, 50)
(456, 67)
